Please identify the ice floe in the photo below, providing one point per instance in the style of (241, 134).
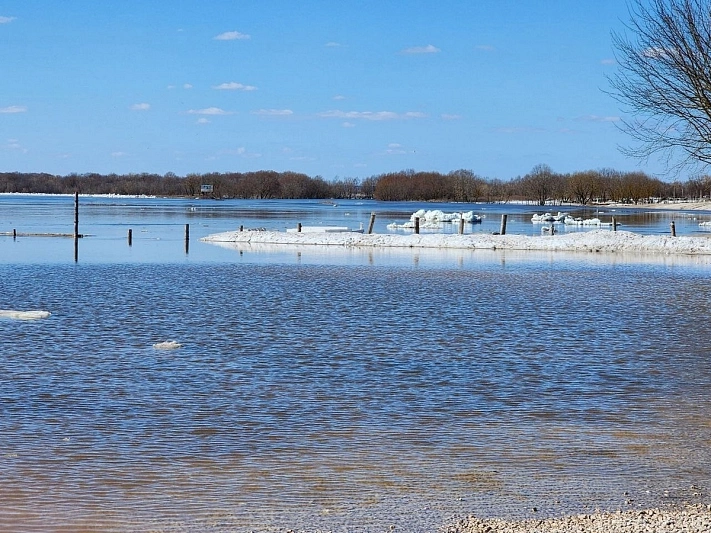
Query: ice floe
(548, 217)
(167, 345)
(23, 315)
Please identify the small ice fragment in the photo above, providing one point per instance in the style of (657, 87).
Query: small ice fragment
(167, 345)
(23, 315)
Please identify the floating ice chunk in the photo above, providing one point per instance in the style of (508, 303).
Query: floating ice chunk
(167, 345)
(548, 217)
(23, 315)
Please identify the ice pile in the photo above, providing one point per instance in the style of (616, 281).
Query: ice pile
(548, 217)
(434, 218)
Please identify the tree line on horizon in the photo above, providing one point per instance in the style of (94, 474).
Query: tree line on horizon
(540, 186)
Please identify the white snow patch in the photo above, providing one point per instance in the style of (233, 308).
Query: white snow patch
(591, 241)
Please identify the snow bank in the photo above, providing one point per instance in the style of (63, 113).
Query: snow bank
(591, 241)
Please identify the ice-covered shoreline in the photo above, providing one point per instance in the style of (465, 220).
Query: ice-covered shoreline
(591, 241)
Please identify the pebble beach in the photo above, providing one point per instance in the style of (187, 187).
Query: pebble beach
(687, 519)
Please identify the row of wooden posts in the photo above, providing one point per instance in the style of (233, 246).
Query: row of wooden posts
(417, 225)
(77, 235)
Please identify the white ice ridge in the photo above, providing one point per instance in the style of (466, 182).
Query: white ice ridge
(167, 345)
(23, 315)
(591, 241)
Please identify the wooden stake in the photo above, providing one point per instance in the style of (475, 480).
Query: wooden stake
(502, 231)
(76, 226)
(76, 214)
(370, 225)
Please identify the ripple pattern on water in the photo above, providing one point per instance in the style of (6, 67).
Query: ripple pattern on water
(321, 389)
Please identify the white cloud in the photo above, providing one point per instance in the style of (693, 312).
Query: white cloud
(187, 86)
(339, 97)
(140, 107)
(233, 86)
(655, 52)
(519, 129)
(596, 118)
(395, 149)
(13, 109)
(209, 111)
(348, 125)
(5, 20)
(608, 61)
(242, 152)
(371, 115)
(485, 47)
(448, 116)
(14, 146)
(231, 36)
(202, 120)
(273, 112)
(429, 49)
(118, 154)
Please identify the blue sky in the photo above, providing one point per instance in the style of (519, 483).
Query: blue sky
(337, 89)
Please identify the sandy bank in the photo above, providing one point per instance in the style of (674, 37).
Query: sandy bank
(696, 518)
(592, 241)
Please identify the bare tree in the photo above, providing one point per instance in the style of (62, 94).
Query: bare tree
(664, 80)
(539, 184)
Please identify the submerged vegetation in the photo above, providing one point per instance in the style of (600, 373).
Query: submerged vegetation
(540, 186)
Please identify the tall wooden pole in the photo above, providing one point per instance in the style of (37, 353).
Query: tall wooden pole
(76, 226)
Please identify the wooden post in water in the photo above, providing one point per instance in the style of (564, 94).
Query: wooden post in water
(187, 238)
(298, 227)
(502, 231)
(130, 237)
(76, 226)
(76, 214)
(241, 229)
(614, 224)
(14, 234)
(417, 225)
(461, 224)
(370, 225)
(672, 226)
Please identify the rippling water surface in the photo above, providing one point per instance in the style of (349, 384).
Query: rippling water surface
(348, 394)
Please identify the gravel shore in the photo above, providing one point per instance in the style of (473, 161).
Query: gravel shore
(687, 519)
